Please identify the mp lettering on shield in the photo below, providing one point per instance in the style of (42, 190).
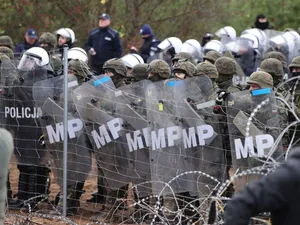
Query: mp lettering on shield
(22, 112)
(167, 137)
(57, 134)
(263, 142)
(102, 137)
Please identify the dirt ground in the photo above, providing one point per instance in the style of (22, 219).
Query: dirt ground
(89, 210)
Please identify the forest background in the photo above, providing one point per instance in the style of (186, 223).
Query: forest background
(186, 19)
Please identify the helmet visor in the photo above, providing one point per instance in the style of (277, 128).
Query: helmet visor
(29, 62)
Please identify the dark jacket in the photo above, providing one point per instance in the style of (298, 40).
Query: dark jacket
(149, 46)
(278, 193)
(23, 47)
(106, 43)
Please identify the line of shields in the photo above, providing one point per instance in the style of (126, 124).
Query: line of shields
(162, 137)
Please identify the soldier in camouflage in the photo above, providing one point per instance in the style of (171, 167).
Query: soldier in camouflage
(184, 69)
(48, 42)
(6, 46)
(275, 69)
(226, 68)
(183, 55)
(211, 56)
(117, 70)
(281, 57)
(262, 79)
(210, 70)
(159, 70)
(294, 93)
(80, 69)
(139, 72)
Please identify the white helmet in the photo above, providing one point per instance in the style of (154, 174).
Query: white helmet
(192, 47)
(227, 34)
(130, 60)
(262, 39)
(174, 42)
(78, 53)
(213, 45)
(253, 39)
(259, 34)
(289, 43)
(67, 33)
(227, 31)
(34, 57)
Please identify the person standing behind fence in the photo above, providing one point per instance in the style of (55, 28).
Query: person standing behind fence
(103, 44)
(30, 40)
(150, 45)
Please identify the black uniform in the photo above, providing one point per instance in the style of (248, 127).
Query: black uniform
(107, 44)
(149, 47)
(277, 193)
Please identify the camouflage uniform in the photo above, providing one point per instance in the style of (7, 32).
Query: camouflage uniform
(210, 70)
(119, 78)
(226, 68)
(211, 56)
(275, 69)
(119, 70)
(159, 70)
(7, 51)
(139, 72)
(262, 79)
(6, 46)
(295, 64)
(281, 57)
(6, 41)
(4, 57)
(50, 40)
(185, 67)
(265, 80)
(294, 93)
(82, 72)
(183, 55)
(80, 69)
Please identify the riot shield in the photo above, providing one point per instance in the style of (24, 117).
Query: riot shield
(183, 137)
(240, 79)
(49, 95)
(114, 120)
(245, 52)
(272, 33)
(131, 107)
(287, 43)
(8, 74)
(254, 125)
(95, 102)
(22, 116)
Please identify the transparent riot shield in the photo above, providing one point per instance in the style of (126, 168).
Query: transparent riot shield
(8, 73)
(239, 79)
(272, 33)
(102, 107)
(22, 116)
(131, 107)
(246, 54)
(261, 38)
(254, 126)
(287, 43)
(49, 94)
(182, 137)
